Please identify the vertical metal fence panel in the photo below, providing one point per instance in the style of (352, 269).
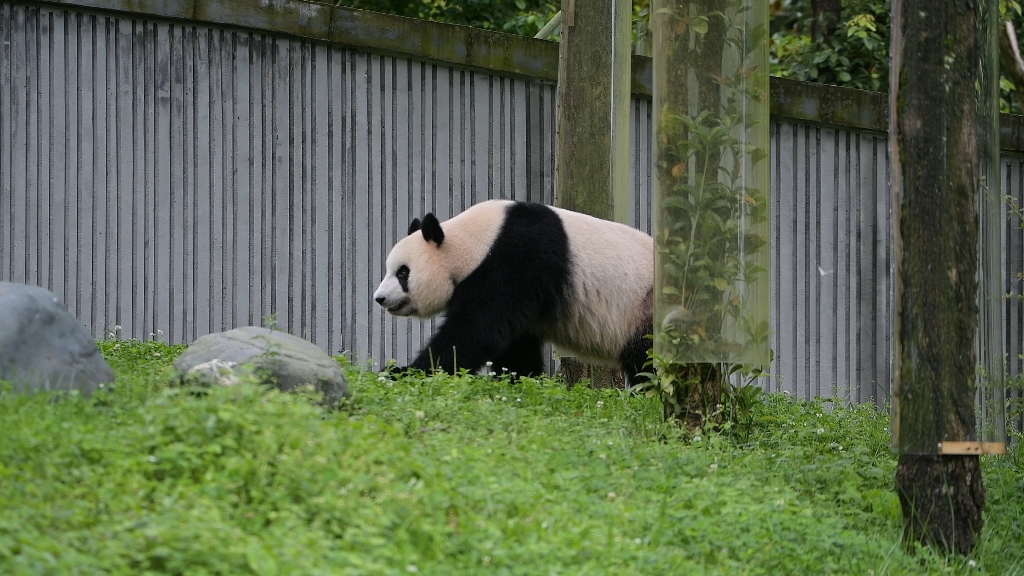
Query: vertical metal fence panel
(184, 153)
(640, 164)
(19, 246)
(79, 170)
(176, 179)
(121, 188)
(6, 152)
(1014, 242)
(1013, 186)
(830, 264)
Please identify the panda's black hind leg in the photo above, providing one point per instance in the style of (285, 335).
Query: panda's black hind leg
(523, 357)
(634, 355)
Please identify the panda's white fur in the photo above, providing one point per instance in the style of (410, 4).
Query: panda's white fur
(581, 283)
(467, 239)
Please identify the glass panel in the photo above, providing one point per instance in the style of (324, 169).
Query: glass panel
(991, 397)
(711, 181)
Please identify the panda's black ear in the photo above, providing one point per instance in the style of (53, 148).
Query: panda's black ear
(432, 229)
(414, 226)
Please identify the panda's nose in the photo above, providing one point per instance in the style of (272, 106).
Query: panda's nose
(380, 300)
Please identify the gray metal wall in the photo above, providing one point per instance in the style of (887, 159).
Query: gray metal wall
(177, 179)
(1013, 185)
(831, 301)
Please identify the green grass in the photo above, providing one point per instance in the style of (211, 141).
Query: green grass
(452, 475)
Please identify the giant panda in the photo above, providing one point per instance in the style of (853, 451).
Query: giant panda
(510, 276)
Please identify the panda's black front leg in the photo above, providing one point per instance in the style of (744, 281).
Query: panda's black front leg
(523, 357)
(459, 344)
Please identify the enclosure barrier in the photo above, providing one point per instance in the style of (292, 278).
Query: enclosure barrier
(171, 169)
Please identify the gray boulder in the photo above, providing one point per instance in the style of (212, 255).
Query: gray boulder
(43, 346)
(285, 361)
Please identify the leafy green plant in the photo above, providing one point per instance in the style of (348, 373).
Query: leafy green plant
(453, 475)
(525, 17)
(856, 54)
(709, 231)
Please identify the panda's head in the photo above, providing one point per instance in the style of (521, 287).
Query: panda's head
(417, 281)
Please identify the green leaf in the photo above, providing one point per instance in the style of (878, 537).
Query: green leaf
(700, 25)
(260, 561)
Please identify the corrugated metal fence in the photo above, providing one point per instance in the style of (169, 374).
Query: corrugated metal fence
(176, 178)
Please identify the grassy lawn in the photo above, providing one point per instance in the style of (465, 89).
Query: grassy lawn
(453, 475)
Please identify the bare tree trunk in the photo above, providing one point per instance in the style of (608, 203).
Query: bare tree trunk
(696, 405)
(826, 15)
(942, 498)
(573, 371)
(935, 147)
(591, 162)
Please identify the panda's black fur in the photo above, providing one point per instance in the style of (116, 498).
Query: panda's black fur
(521, 292)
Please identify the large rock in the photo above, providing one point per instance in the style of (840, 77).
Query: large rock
(277, 358)
(43, 346)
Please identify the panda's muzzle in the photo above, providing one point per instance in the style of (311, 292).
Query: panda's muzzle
(393, 308)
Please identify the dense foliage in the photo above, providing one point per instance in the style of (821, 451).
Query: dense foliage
(453, 475)
(852, 51)
(524, 17)
(855, 53)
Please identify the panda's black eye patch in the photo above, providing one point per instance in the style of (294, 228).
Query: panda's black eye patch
(403, 277)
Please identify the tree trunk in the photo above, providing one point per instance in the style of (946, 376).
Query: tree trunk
(592, 156)
(934, 139)
(593, 107)
(572, 371)
(826, 15)
(942, 498)
(698, 403)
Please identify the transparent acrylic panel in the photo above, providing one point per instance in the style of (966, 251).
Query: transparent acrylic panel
(711, 228)
(990, 398)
